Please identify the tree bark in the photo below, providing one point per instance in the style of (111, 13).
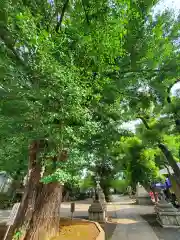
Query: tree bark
(28, 199)
(38, 215)
(171, 161)
(45, 220)
(167, 154)
(58, 26)
(106, 192)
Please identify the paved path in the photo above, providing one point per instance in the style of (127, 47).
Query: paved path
(4, 214)
(130, 225)
(125, 222)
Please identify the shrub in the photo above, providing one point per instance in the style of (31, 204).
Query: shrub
(5, 201)
(120, 185)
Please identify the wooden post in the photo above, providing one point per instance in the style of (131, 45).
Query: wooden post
(72, 209)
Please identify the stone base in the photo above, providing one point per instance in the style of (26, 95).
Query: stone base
(169, 219)
(97, 212)
(99, 217)
(166, 226)
(144, 201)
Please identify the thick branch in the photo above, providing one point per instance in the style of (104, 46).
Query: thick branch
(58, 26)
(170, 160)
(6, 37)
(145, 123)
(85, 12)
(166, 153)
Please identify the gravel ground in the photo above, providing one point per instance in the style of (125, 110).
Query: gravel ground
(162, 233)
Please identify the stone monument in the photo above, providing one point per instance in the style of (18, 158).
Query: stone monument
(167, 215)
(97, 210)
(142, 196)
(101, 198)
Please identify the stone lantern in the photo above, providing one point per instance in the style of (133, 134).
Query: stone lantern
(97, 210)
(142, 196)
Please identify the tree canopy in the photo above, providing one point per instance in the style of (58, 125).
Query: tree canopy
(72, 72)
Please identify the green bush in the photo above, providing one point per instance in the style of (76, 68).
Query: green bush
(120, 185)
(5, 201)
(87, 183)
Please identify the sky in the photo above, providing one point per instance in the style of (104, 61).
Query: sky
(172, 4)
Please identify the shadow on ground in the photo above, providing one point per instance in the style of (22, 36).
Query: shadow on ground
(2, 231)
(108, 229)
(162, 233)
(125, 203)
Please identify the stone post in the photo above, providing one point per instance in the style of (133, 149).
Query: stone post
(101, 198)
(142, 196)
(97, 210)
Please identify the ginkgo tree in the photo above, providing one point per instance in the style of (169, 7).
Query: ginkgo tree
(144, 76)
(150, 75)
(52, 58)
(70, 74)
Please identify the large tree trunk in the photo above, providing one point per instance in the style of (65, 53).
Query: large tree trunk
(166, 151)
(105, 189)
(44, 223)
(65, 195)
(38, 216)
(107, 194)
(175, 187)
(171, 161)
(40, 213)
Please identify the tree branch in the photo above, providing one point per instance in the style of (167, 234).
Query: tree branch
(58, 26)
(170, 160)
(9, 43)
(145, 123)
(85, 12)
(6, 37)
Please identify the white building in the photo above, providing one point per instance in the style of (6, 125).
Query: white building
(5, 182)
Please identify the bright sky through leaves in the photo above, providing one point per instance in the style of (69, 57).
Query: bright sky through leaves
(164, 4)
(173, 4)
